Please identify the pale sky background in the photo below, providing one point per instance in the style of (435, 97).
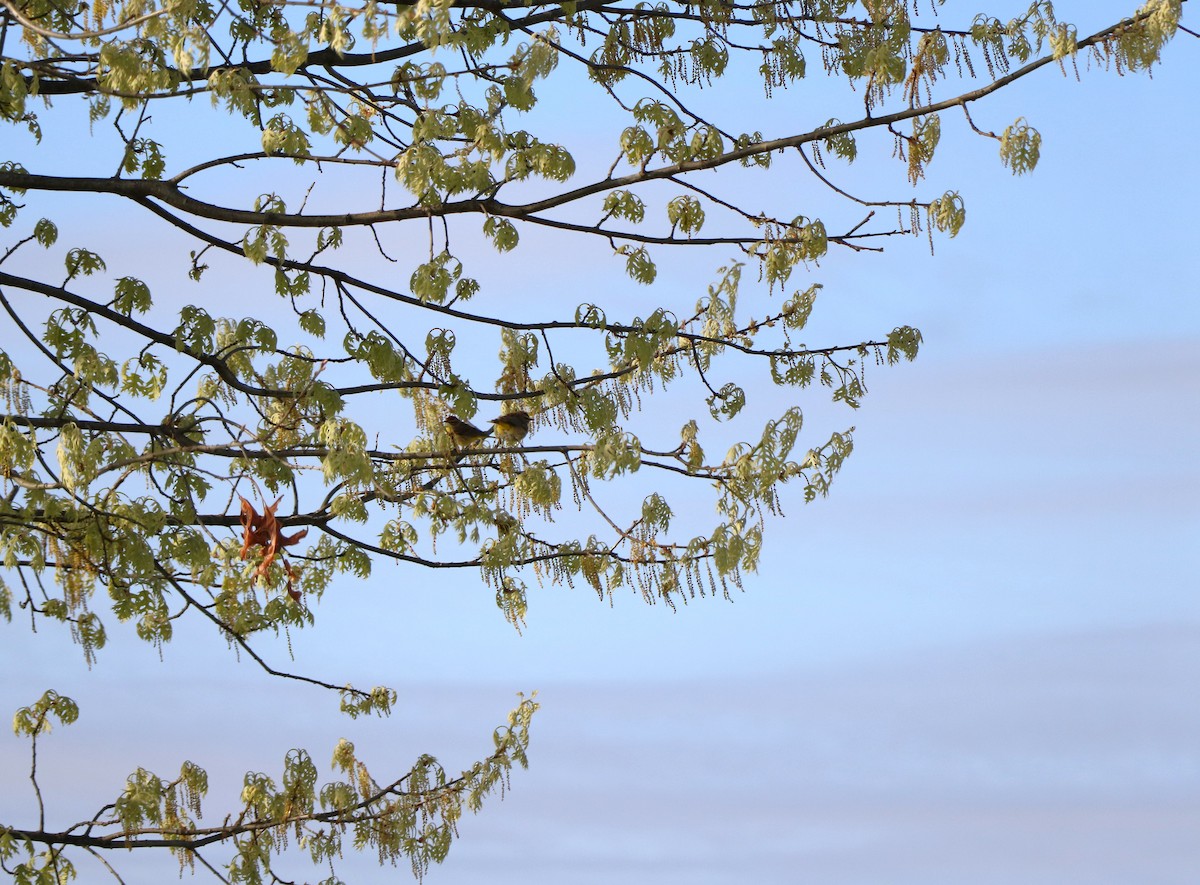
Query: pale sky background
(977, 661)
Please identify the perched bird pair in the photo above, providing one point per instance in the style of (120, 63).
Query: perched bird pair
(509, 428)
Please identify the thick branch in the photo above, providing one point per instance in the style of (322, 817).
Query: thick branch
(172, 195)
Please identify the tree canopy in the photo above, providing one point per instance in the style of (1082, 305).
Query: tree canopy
(356, 206)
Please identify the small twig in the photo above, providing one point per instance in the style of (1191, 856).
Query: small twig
(976, 129)
(33, 773)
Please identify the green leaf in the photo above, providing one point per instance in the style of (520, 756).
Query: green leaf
(132, 296)
(313, 323)
(948, 213)
(502, 233)
(686, 214)
(45, 232)
(81, 261)
(639, 265)
(1020, 147)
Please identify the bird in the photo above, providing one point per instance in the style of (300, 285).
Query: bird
(462, 433)
(511, 427)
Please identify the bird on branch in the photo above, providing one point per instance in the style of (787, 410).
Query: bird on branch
(511, 427)
(462, 433)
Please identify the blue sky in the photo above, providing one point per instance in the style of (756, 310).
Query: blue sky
(976, 661)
